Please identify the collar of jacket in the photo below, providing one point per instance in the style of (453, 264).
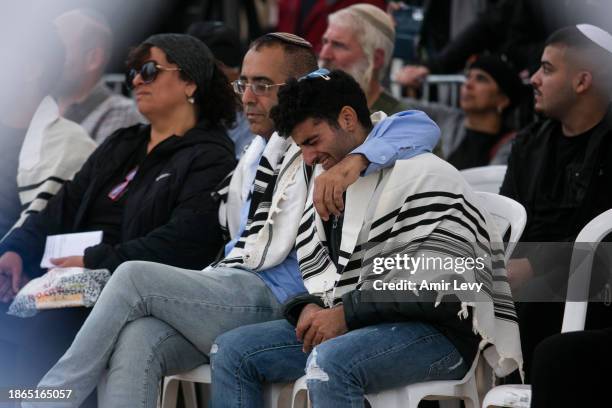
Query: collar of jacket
(201, 133)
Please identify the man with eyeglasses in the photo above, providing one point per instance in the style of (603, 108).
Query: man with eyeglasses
(162, 319)
(350, 337)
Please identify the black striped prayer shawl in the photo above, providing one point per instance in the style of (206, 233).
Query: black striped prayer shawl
(277, 204)
(53, 150)
(421, 207)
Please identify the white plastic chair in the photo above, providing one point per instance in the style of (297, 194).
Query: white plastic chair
(506, 213)
(410, 396)
(485, 178)
(574, 315)
(202, 375)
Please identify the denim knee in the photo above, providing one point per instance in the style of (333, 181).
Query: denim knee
(226, 352)
(130, 270)
(137, 342)
(130, 274)
(325, 363)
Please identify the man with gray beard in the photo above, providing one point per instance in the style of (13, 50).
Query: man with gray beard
(359, 40)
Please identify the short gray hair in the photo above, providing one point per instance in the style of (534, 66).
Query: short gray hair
(373, 28)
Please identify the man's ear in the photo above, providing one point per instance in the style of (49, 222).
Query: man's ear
(583, 81)
(95, 58)
(347, 119)
(379, 58)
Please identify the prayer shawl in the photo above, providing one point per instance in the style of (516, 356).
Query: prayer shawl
(277, 204)
(422, 207)
(235, 189)
(53, 150)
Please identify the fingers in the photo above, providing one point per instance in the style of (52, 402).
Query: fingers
(327, 197)
(302, 327)
(319, 198)
(330, 200)
(309, 339)
(338, 201)
(16, 279)
(57, 261)
(5, 288)
(411, 76)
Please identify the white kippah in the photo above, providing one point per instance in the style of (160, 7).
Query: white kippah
(597, 35)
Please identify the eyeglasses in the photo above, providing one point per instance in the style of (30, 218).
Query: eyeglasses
(258, 88)
(148, 72)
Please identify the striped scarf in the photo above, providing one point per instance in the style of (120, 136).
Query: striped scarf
(277, 203)
(424, 209)
(53, 150)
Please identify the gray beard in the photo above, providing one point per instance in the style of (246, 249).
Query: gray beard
(360, 71)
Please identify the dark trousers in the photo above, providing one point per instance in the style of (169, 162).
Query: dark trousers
(540, 320)
(572, 370)
(29, 347)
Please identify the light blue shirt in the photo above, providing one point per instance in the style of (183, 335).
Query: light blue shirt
(240, 134)
(400, 136)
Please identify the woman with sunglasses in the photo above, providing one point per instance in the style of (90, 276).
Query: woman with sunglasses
(147, 188)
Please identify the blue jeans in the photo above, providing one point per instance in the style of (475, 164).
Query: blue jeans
(152, 320)
(339, 371)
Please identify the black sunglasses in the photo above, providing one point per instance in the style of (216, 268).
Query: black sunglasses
(148, 72)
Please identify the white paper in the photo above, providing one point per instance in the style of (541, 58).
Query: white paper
(59, 246)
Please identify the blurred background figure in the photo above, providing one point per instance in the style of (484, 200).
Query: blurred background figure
(40, 150)
(514, 28)
(451, 32)
(82, 95)
(359, 40)
(147, 188)
(308, 18)
(479, 132)
(225, 46)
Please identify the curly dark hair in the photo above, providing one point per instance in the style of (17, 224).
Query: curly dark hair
(217, 104)
(319, 98)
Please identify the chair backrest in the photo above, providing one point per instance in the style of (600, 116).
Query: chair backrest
(506, 213)
(485, 178)
(580, 270)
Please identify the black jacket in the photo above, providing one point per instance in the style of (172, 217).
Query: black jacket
(587, 192)
(171, 220)
(588, 184)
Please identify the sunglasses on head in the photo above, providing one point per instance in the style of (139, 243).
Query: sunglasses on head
(148, 72)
